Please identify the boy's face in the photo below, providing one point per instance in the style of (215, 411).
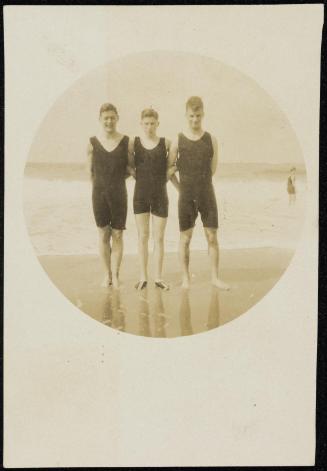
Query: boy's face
(194, 118)
(109, 120)
(149, 126)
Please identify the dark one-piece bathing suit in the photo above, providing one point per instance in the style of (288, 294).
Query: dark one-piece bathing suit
(109, 195)
(150, 193)
(290, 186)
(197, 193)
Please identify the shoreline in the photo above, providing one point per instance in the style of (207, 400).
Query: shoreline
(62, 221)
(291, 247)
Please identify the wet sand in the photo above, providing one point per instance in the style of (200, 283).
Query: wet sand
(151, 312)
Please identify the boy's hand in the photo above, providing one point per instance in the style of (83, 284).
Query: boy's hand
(89, 165)
(171, 171)
(175, 182)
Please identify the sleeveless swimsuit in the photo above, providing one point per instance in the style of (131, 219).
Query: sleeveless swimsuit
(150, 193)
(196, 190)
(290, 186)
(109, 194)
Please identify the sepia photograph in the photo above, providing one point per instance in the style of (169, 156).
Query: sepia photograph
(165, 205)
(161, 235)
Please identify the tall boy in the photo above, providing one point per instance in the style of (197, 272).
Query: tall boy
(194, 155)
(108, 166)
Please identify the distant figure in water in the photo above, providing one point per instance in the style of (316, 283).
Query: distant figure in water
(291, 186)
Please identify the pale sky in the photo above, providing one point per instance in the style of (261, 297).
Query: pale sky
(249, 125)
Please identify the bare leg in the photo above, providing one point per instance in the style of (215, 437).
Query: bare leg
(142, 223)
(211, 235)
(116, 255)
(105, 254)
(159, 226)
(291, 198)
(184, 255)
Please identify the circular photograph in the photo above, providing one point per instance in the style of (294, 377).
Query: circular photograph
(164, 194)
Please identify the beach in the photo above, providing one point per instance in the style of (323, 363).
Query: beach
(152, 312)
(258, 232)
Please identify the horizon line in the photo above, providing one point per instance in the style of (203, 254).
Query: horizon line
(81, 162)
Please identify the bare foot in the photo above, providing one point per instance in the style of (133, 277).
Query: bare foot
(220, 284)
(162, 285)
(106, 282)
(141, 285)
(186, 283)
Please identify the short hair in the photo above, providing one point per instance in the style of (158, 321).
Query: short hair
(108, 107)
(195, 103)
(149, 113)
(293, 169)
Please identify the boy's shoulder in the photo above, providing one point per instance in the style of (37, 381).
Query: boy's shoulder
(92, 142)
(213, 138)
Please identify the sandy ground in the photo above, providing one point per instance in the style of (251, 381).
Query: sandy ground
(251, 273)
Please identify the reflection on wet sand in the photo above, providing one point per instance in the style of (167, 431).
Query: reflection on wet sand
(113, 312)
(214, 310)
(107, 311)
(185, 314)
(160, 318)
(144, 314)
(147, 315)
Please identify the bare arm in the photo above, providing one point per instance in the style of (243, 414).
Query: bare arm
(171, 170)
(89, 159)
(167, 144)
(214, 161)
(131, 161)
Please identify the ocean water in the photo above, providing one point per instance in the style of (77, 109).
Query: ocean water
(253, 212)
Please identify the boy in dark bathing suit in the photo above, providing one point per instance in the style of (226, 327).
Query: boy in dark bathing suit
(148, 159)
(194, 155)
(291, 186)
(108, 165)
